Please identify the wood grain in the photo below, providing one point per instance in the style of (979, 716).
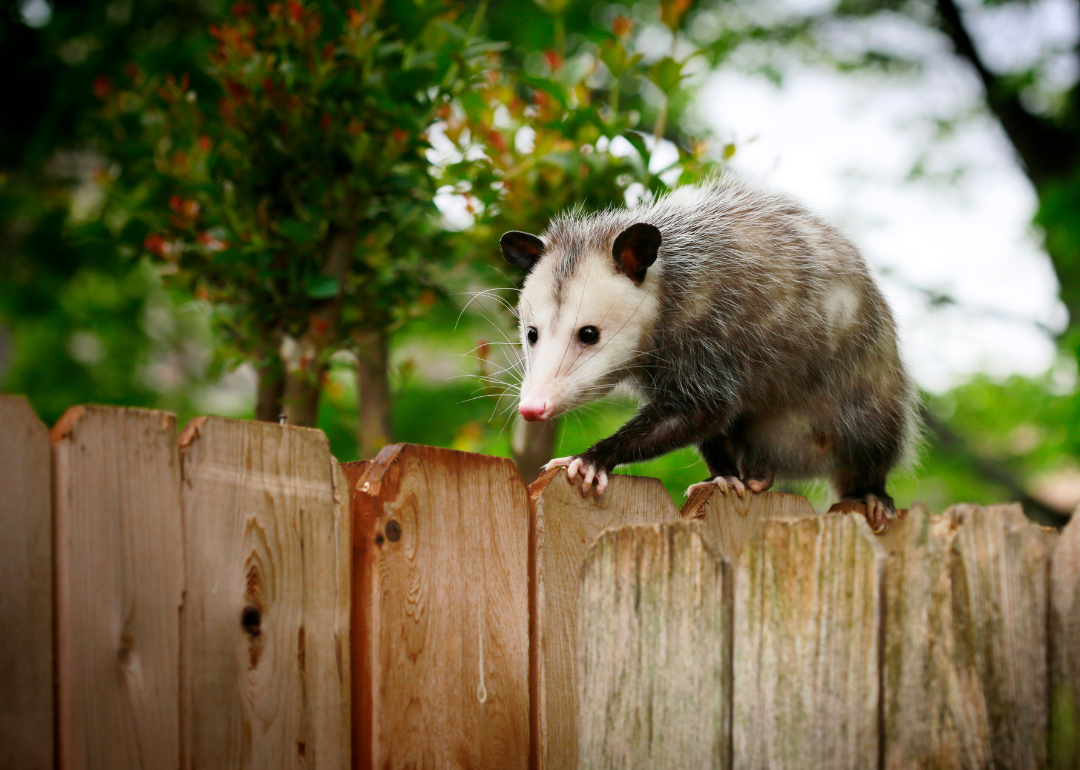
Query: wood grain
(730, 521)
(922, 671)
(808, 620)
(26, 589)
(119, 584)
(440, 638)
(654, 631)
(565, 526)
(266, 617)
(1065, 649)
(999, 565)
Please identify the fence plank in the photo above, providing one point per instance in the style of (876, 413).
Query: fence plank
(119, 585)
(266, 618)
(921, 666)
(1065, 649)
(730, 521)
(999, 563)
(440, 649)
(26, 589)
(565, 526)
(807, 637)
(653, 658)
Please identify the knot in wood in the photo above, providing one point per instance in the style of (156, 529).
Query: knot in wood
(251, 619)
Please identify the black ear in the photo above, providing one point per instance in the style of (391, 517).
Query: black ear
(521, 250)
(635, 250)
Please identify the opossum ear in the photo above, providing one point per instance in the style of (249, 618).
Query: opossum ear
(521, 250)
(635, 250)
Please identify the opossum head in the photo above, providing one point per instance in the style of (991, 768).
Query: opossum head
(585, 311)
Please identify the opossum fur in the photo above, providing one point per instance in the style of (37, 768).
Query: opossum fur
(745, 324)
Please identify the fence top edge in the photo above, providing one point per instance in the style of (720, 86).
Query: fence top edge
(66, 425)
(543, 481)
(371, 478)
(196, 426)
(20, 403)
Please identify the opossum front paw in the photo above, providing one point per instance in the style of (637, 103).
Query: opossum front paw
(589, 471)
(723, 483)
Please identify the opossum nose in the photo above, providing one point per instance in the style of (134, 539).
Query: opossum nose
(536, 410)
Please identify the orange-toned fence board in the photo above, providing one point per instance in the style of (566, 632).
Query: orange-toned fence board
(119, 585)
(654, 633)
(441, 581)
(26, 589)
(266, 616)
(565, 527)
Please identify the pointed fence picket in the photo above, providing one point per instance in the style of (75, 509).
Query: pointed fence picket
(232, 598)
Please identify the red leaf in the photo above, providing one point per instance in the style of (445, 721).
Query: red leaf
(102, 87)
(296, 11)
(237, 91)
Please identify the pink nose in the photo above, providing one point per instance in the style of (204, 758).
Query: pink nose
(535, 410)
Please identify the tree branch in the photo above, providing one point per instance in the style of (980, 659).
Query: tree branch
(1045, 150)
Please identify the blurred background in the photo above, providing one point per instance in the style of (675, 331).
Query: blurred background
(253, 209)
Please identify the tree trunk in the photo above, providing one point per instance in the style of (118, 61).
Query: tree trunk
(375, 428)
(270, 368)
(533, 445)
(303, 385)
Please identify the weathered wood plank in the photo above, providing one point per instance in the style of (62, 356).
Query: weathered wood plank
(26, 589)
(807, 636)
(999, 565)
(565, 526)
(266, 618)
(921, 669)
(1065, 649)
(440, 641)
(730, 521)
(119, 585)
(654, 651)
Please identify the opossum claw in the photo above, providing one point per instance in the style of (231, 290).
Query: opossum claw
(723, 483)
(879, 515)
(557, 462)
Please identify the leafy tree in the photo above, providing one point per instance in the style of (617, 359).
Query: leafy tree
(80, 320)
(293, 193)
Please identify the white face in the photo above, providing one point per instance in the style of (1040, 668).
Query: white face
(578, 349)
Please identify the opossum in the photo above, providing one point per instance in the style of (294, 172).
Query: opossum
(746, 326)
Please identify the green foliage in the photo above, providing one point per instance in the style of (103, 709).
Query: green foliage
(299, 177)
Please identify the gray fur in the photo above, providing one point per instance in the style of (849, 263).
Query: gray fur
(769, 324)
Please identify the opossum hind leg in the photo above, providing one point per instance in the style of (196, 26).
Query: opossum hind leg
(719, 454)
(858, 486)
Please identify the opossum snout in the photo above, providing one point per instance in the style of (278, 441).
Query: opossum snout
(536, 409)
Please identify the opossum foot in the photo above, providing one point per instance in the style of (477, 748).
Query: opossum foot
(589, 473)
(723, 483)
(880, 513)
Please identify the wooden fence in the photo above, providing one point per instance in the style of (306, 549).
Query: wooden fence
(233, 598)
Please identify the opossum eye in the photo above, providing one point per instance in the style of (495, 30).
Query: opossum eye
(532, 335)
(588, 335)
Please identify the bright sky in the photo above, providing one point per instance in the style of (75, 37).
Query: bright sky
(845, 145)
